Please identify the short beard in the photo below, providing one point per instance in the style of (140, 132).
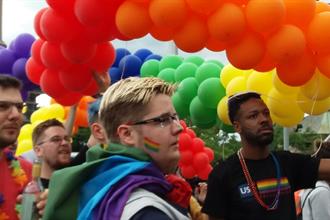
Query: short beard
(259, 140)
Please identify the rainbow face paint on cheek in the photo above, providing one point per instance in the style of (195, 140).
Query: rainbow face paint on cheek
(151, 145)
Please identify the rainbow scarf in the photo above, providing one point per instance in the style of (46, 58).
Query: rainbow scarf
(100, 188)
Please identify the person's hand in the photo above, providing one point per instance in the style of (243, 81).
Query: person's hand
(200, 192)
(103, 80)
(42, 201)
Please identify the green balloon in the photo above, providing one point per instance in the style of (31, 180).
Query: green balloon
(150, 68)
(197, 60)
(167, 75)
(216, 62)
(171, 61)
(210, 92)
(188, 89)
(201, 113)
(184, 71)
(203, 125)
(181, 108)
(207, 70)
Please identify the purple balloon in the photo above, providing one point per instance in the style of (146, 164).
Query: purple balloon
(2, 47)
(18, 69)
(22, 45)
(7, 59)
(12, 45)
(24, 94)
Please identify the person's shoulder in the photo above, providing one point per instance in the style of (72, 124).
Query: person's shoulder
(224, 166)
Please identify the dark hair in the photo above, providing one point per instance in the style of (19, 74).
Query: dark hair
(40, 128)
(235, 102)
(7, 81)
(323, 149)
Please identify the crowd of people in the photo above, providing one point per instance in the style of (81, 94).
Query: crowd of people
(129, 167)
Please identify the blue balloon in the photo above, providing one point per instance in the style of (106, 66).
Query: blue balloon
(153, 57)
(130, 65)
(22, 45)
(115, 74)
(143, 54)
(120, 53)
(18, 69)
(7, 59)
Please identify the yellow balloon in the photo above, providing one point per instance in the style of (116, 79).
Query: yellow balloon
(39, 115)
(281, 105)
(25, 132)
(260, 82)
(317, 88)
(283, 88)
(313, 107)
(222, 110)
(236, 85)
(288, 121)
(56, 111)
(228, 73)
(23, 146)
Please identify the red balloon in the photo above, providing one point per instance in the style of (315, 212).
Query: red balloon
(266, 64)
(188, 172)
(55, 27)
(35, 50)
(103, 58)
(183, 124)
(78, 50)
(90, 13)
(52, 57)
(36, 23)
(34, 70)
(190, 132)
(204, 173)
(62, 6)
(50, 84)
(209, 153)
(186, 157)
(185, 141)
(69, 99)
(198, 145)
(200, 161)
(91, 89)
(76, 78)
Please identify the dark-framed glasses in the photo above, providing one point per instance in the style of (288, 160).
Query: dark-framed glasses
(57, 140)
(163, 120)
(7, 105)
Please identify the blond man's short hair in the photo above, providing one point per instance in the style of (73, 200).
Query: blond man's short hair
(126, 101)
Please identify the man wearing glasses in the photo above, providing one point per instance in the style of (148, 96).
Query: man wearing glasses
(15, 173)
(53, 146)
(128, 178)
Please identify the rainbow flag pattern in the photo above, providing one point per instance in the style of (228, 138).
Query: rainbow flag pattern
(151, 145)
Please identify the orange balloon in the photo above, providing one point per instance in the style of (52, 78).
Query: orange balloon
(318, 34)
(248, 52)
(266, 64)
(299, 12)
(132, 19)
(162, 33)
(215, 45)
(81, 119)
(264, 17)
(204, 7)
(227, 23)
(321, 7)
(192, 36)
(323, 64)
(296, 72)
(286, 44)
(170, 14)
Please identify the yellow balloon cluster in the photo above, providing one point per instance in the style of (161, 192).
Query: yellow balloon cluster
(42, 114)
(287, 104)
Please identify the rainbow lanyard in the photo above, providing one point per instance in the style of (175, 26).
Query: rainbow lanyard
(253, 186)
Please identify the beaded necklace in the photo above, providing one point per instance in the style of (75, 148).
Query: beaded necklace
(18, 175)
(253, 186)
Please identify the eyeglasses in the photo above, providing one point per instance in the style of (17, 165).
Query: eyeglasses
(7, 105)
(57, 140)
(163, 120)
